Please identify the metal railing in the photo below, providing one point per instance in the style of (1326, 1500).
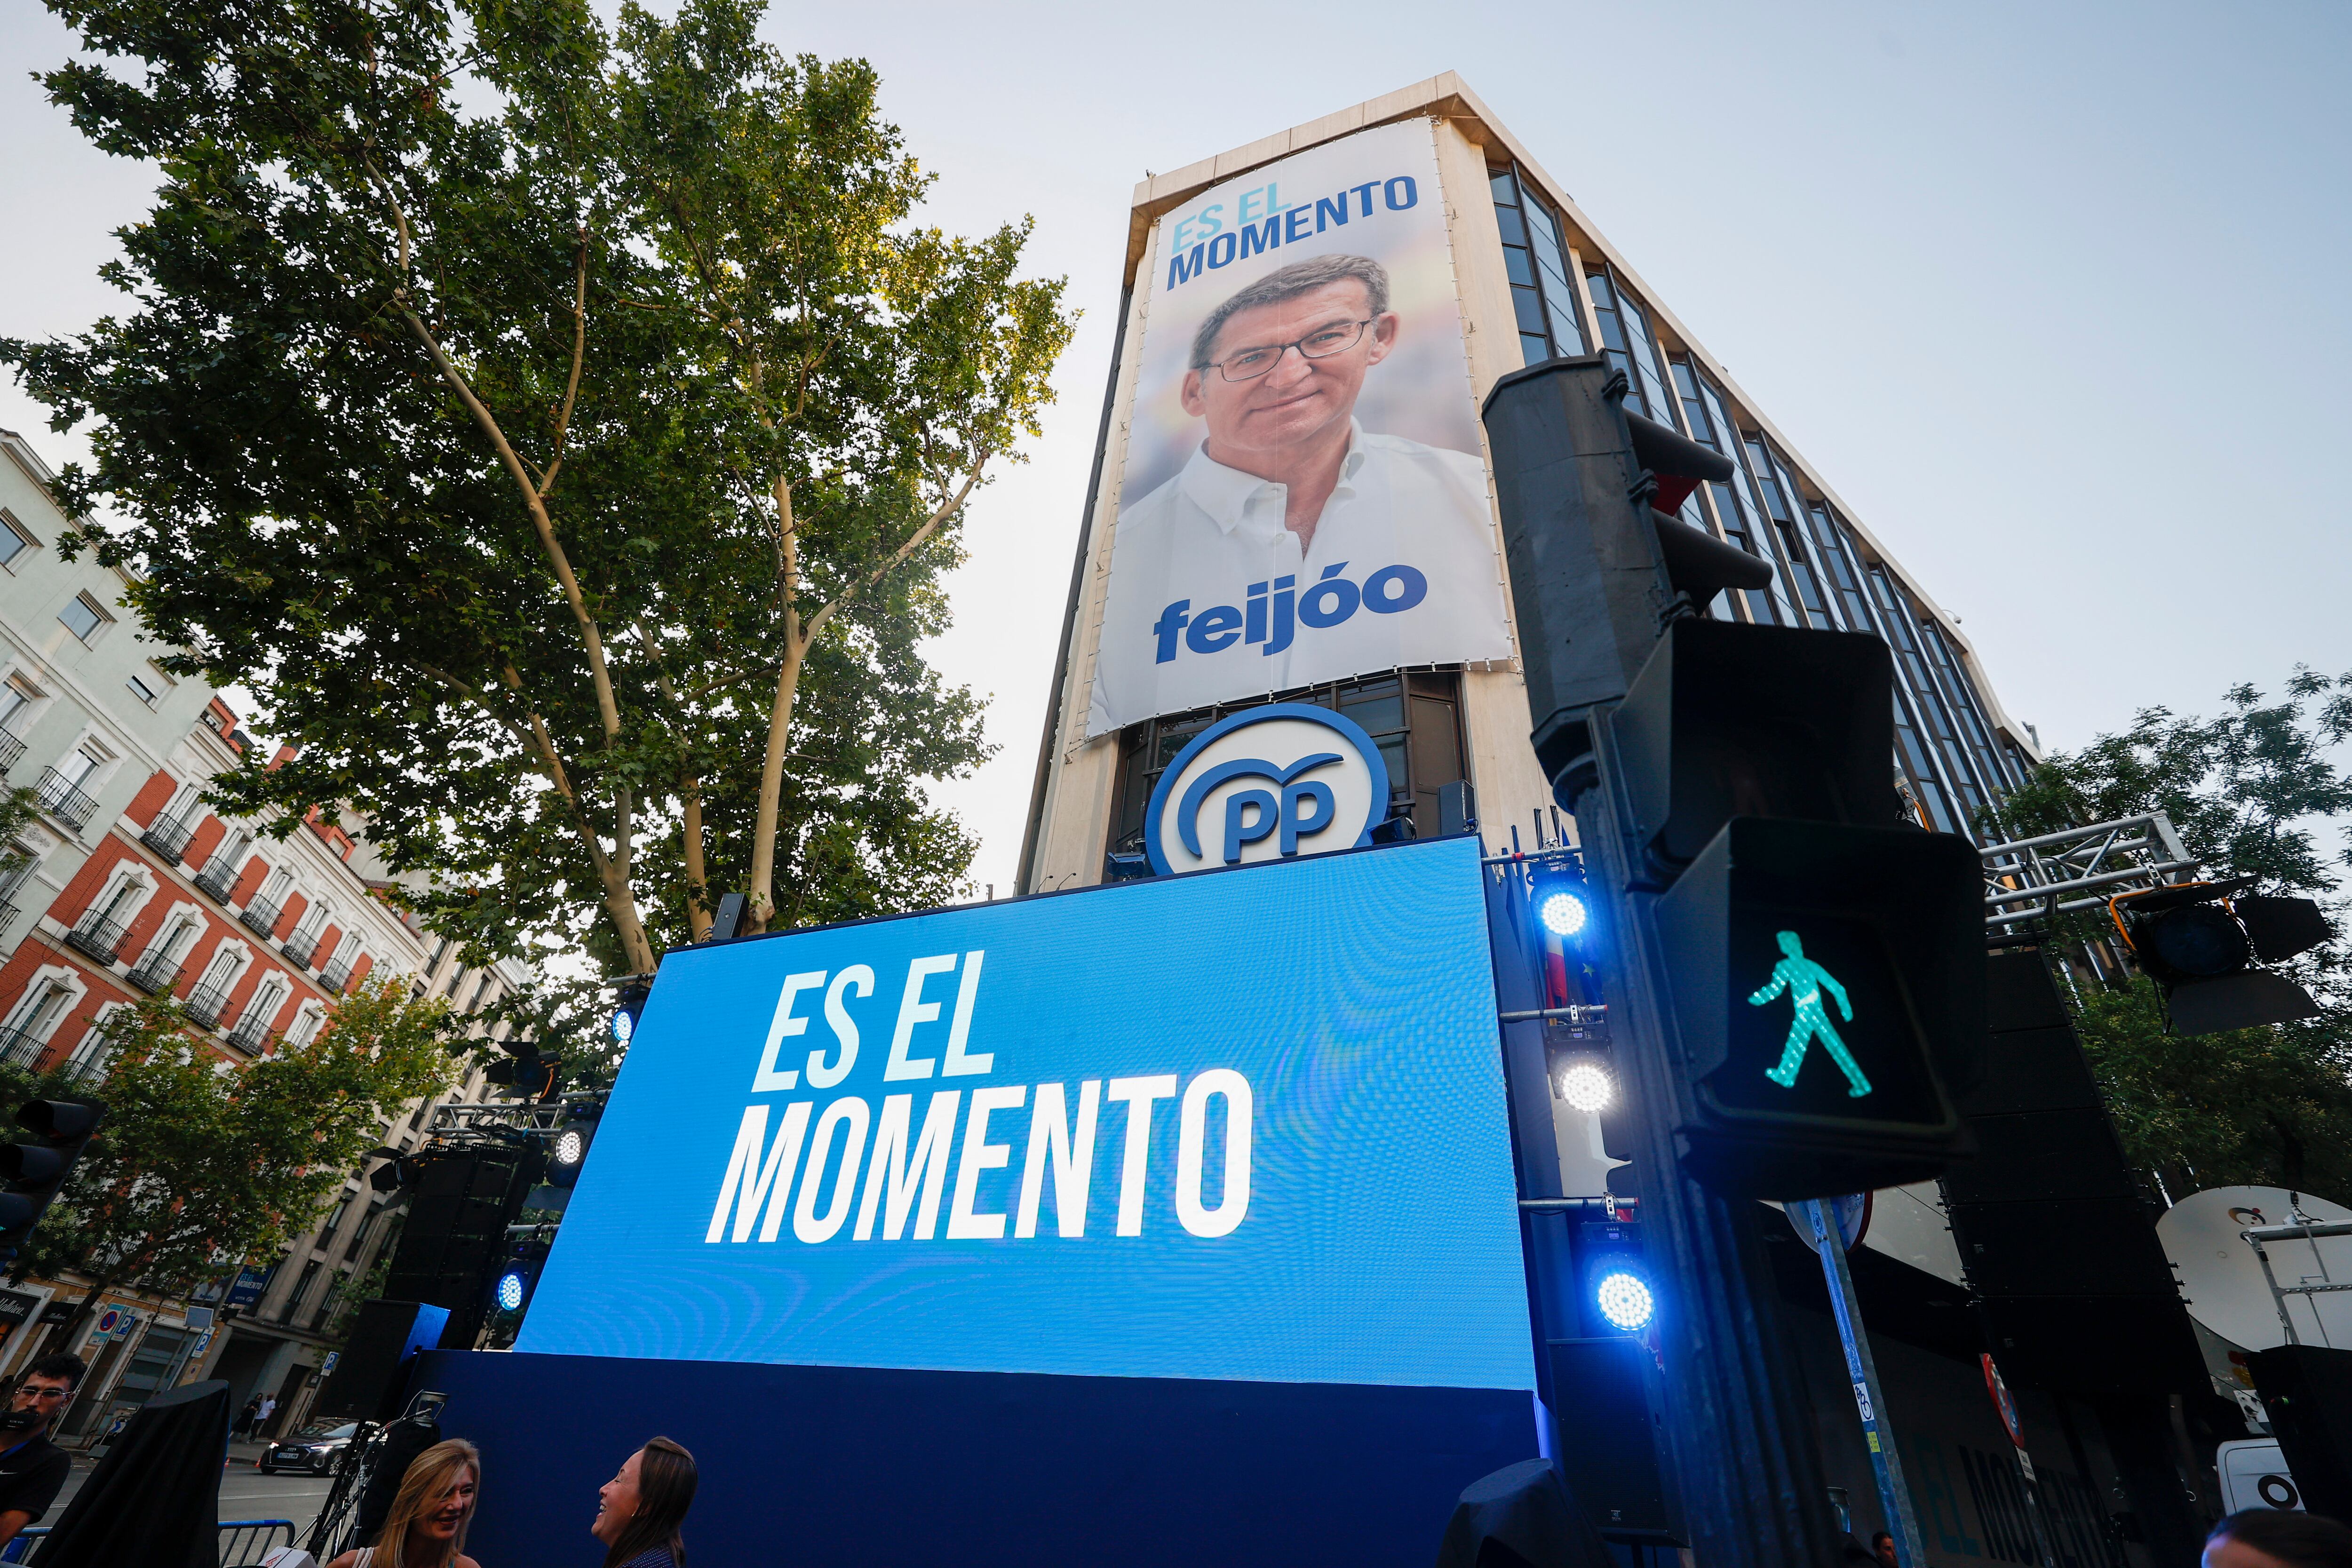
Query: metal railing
(252, 1031)
(20, 1046)
(204, 1003)
(244, 1543)
(11, 750)
(219, 878)
(99, 937)
(65, 800)
(157, 971)
(335, 977)
(7, 916)
(2082, 867)
(169, 835)
(258, 917)
(300, 948)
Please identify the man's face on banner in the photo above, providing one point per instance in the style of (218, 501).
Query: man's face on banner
(1300, 397)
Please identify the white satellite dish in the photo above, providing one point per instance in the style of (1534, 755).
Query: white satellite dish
(2224, 1283)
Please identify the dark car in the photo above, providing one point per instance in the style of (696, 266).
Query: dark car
(311, 1451)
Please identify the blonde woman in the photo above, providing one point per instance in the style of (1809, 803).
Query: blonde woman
(426, 1526)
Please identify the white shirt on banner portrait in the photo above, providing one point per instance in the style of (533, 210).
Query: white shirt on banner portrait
(1211, 598)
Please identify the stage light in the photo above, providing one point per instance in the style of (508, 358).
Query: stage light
(628, 1006)
(569, 1145)
(1587, 1086)
(1561, 910)
(623, 1025)
(514, 1285)
(1625, 1300)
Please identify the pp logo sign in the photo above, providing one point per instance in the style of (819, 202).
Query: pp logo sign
(1267, 784)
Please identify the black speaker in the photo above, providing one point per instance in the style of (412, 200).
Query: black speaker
(2059, 1246)
(1609, 1414)
(371, 1375)
(455, 1236)
(2307, 1389)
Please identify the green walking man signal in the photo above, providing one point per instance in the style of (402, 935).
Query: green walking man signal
(1804, 980)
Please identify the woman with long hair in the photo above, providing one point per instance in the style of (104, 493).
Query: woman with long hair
(426, 1526)
(638, 1512)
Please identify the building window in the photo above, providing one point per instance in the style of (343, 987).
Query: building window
(1550, 322)
(144, 692)
(83, 616)
(14, 538)
(302, 1289)
(1627, 339)
(1416, 719)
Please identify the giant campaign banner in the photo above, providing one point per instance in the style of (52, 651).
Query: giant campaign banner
(1303, 497)
(1247, 1125)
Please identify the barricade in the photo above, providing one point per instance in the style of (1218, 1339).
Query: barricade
(244, 1543)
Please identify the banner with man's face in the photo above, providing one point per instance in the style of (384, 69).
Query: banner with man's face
(1303, 497)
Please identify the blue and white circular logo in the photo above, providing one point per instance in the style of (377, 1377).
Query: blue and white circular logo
(1267, 784)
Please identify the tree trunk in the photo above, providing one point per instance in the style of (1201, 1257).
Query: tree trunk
(697, 883)
(772, 786)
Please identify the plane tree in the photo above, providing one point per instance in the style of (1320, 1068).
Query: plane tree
(561, 430)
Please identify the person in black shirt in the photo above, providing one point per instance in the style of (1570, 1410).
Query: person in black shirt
(32, 1468)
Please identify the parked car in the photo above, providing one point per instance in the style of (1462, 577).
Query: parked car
(311, 1451)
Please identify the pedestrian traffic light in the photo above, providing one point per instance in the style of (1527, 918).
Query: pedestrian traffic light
(35, 1169)
(1828, 1000)
(2203, 944)
(567, 1151)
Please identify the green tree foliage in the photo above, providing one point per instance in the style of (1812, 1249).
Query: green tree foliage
(561, 430)
(2254, 790)
(201, 1168)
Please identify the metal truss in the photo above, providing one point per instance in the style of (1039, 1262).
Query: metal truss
(2082, 867)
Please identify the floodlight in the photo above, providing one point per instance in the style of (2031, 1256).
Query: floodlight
(1625, 1300)
(1562, 911)
(1587, 1086)
(514, 1285)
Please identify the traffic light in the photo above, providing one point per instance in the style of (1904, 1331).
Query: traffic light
(2203, 944)
(1597, 564)
(35, 1169)
(1828, 1000)
(525, 1074)
(567, 1151)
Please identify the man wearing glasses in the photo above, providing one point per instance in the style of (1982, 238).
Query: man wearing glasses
(32, 1468)
(1295, 546)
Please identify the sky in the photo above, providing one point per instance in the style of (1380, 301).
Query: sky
(2054, 296)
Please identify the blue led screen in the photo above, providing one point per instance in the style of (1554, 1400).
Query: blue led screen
(1240, 1124)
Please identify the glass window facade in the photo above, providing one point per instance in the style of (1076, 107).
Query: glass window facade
(1626, 338)
(1552, 324)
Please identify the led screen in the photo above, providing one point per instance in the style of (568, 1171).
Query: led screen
(1242, 1124)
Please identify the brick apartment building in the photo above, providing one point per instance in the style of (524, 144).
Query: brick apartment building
(130, 886)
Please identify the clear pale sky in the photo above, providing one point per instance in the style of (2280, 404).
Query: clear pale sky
(2055, 296)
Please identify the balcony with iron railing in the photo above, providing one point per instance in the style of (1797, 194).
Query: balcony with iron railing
(169, 835)
(157, 972)
(300, 948)
(204, 1003)
(11, 750)
(65, 800)
(218, 879)
(252, 1031)
(258, 916)
(335, 977)
(7, 916)
(97, 936)
(20, 1046)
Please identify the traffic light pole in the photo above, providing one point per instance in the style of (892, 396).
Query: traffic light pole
(1862, 1368)
(1739, 1425)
